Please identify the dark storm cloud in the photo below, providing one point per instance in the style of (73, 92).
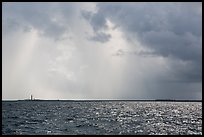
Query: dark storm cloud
(185, 47)
(171, 30)
(144, 17)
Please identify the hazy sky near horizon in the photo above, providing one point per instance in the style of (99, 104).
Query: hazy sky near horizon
(102, 50)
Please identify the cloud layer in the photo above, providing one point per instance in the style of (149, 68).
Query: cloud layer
(102, 50)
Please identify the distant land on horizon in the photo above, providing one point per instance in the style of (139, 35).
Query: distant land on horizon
(99, 100)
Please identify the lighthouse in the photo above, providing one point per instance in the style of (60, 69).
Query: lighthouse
(31, 97)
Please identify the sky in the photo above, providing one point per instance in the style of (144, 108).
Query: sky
(102, 50)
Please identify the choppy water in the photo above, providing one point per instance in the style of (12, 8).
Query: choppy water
(56, 117)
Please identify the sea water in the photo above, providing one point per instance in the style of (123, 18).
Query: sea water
(101, 117)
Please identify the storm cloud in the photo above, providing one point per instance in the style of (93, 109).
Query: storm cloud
(102, 50)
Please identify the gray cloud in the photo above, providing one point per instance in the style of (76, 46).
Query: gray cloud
(171, 30)
(154, 50)
(96, 20)
(142, 53)
(168, 28)
(101, 37)
(50, 19)
(185, 47)
(98, 23)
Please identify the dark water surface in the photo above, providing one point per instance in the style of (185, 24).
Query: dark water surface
(120, 117)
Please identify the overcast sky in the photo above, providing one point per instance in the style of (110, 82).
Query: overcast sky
(102, 50)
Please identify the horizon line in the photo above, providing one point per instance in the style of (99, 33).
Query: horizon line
(102, 100)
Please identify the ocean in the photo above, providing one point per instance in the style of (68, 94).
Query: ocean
(101, 118)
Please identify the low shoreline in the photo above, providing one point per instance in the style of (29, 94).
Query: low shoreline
(156, 100)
